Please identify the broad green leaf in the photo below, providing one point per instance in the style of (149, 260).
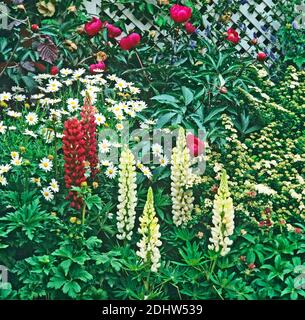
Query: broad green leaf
(165, 98)
(187, 95)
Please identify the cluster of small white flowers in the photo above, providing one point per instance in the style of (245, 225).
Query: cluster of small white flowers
(261, 188)
(54, 102)
(182, 197)
(127, 195)
(126, 108)
(257, 103)
(223, 219)
(262, 73)
(149, 230)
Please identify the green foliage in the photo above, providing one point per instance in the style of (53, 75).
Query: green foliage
(291, 34)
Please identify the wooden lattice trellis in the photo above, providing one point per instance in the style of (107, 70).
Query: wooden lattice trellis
(131, 22)
(256, 21)
(254, 16)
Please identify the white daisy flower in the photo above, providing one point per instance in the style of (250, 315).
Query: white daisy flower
(150, 122)
(45, 101)
(3, 180)
(111, 172)
(14, 114)
(59, 135)
(5, 96)
(55, 115)
(117, 110)
(261, 188)
(20, 97)
(146, 171)
(157, 149)
(47, 193)
(4, 168)
(120, 117)
(92, 95)
(104, 146)
(119, 126)
(138, 105)
(121, 84)
(123, 106)
(92, 89)
(134, 90)
(53, 85)
(2, 128)
(31, 118)
(110, 101)
(99, 119)
(30, 133)
(106, 163)
(14, 154)
(78, 73)
(68, 82)
(163, 161)
(65, 71)
(113, 77)
(16, 161)
(54, 101)
(36, 181)
(46, 164)
(54, 186)
(73, 104)
(43, 76)
(47, 134)
(37, 96)
(17, 89)
(131, 113)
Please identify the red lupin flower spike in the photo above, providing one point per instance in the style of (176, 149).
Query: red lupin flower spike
(74, 156)
(89, 129)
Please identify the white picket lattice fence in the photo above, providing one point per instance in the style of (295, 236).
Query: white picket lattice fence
(253, 16)
(255, 20)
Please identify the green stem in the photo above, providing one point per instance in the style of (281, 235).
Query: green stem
(83, 214)
(213, 267)
(146, 283)
(139, 59)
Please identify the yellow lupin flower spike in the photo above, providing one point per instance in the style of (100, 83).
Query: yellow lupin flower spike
(223, 218)
(126, 210)
(182, 195)
(149, 230)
